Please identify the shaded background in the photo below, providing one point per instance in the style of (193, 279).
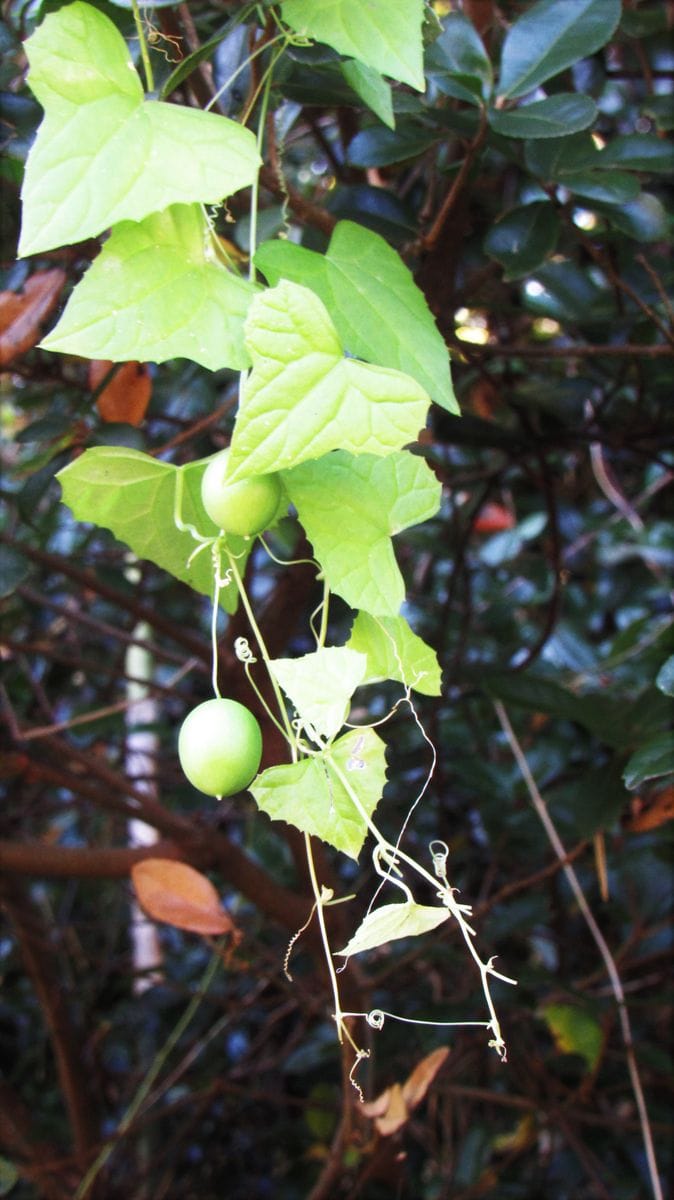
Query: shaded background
(544, 586)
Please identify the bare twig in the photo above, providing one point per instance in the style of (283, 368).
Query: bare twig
(600, 942)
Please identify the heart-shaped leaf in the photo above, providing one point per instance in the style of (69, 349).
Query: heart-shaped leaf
(311, 795)
(379, 312)
(103, 154)
(384, 34)
(321, 685)
(134, 495)
(375, 498)
(303, 398)
(157, 291)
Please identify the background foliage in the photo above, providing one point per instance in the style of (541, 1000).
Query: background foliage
(542, 584)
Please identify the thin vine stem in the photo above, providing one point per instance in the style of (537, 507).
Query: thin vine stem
(144, 52)
(148, 1082)
(541, 810)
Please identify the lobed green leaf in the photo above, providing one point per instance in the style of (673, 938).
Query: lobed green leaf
(320, 686)
(394, 651)
(311, 794)
(103, 154)
(134, 496)
(379, 312)
(384, 34)
(375, 499)
(157, 291)
(303, 398)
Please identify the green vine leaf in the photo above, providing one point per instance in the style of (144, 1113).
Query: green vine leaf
(384, 34)
(310, 795)
(134, 496)
(156, 291)
(375, 498)
(303, 398)
(374, 91)
(320, 686)
(103, 154)
(394, 651)
(379, 312)
(393, 921)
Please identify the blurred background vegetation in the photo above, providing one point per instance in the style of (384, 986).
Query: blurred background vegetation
(544, 584)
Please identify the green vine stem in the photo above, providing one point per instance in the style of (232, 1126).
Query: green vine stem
(144, 52)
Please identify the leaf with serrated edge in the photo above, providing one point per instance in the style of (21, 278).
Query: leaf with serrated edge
(394, 651)
(310, 795)
(103, 154)
(133, 495)
(375, 499)
(320, 686)
(549, 37)
(384, 34)
(393, 921)
(156, 291)
(303, 398)
(379, 312)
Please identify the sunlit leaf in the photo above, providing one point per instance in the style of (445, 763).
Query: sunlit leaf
(379, 312)
(303, 398)
(311, 796)
(134, 496)
(157, 291)
(320, 685)
(103, 154)
(384, 34)
(394, 651)
(393, 921)
(179, 895)
(376, 498)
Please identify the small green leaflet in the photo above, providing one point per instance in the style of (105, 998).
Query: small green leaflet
(103, 154)
(394, 651)
(553, 117)
(384, 34)
(157, 291)
(393, 921)
(320, 686)
(549, 37)
(375, 498)
(303, 398)
(379, 312)
(134, 496)
(652, 761)
(310, 794)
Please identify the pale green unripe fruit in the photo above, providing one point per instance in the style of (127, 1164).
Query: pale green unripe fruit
(220, 747)
(246, 507)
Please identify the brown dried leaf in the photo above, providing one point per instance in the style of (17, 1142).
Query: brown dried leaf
(21, 313)
(175, 893)
(654, 812)
(417, 1084)
(393, 1108)
(126, 397)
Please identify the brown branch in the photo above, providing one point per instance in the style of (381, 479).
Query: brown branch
(35, 1160)
(623, 351)
(86, 578)
(430, 239)
(45, 861)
